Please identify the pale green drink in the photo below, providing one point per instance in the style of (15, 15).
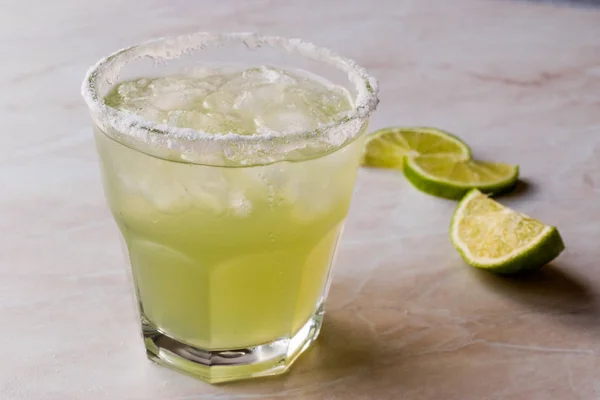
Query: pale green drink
(231, 263)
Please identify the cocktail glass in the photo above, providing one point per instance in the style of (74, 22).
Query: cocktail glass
(230, 237)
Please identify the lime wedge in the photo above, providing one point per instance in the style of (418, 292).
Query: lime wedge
(493, 237)
(452, 178)
(387, 147)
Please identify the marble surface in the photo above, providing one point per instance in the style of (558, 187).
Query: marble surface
(406, 318)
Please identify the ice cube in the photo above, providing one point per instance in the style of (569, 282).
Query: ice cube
(211, 122)
(220, 101)
(166, 197)
(263, 75)
(151, 114)
(196, 119)
(298, 108)
(313, 200)
(245, 99)
(251, 90)
(324, 104)
(135, 89)
(239, 204)
(207, 197)
(282, 119)
(179, 93)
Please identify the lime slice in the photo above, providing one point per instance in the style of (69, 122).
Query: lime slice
(493, 237)
(387, 147)
(452, 178)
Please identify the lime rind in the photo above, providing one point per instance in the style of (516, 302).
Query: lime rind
(451, 189)
(541, 250)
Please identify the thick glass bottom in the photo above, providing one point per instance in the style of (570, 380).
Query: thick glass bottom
(216, 366)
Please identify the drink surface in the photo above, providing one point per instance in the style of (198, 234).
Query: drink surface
(227, 258)
(256, 100)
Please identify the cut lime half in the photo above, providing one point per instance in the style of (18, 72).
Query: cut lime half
(452, 178)
(388, 147)
(498, 239)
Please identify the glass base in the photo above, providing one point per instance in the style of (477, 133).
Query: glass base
(216, 366)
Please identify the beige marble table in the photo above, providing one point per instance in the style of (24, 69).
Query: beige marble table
(406, 318)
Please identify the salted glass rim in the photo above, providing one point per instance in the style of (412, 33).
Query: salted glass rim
(187, 144)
